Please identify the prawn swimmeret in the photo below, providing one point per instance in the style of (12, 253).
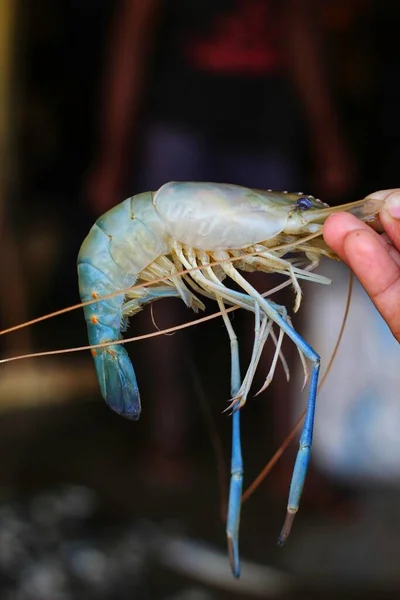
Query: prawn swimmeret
(211, 232)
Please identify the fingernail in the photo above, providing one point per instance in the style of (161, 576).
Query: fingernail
(393, 206)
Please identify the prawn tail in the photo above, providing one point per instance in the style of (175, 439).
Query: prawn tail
(117, 380)
(104, 320)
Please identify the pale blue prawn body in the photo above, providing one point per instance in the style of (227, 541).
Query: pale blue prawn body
(186, 225)
(133, 234)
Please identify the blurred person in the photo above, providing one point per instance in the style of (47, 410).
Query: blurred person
(249, 73)
(217, 90)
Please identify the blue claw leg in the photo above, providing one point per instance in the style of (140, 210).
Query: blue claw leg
(236, 484)
(304, 451)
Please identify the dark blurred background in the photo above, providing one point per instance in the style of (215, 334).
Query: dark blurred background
(104, 99)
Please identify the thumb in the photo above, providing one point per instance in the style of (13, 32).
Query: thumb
(390, 216)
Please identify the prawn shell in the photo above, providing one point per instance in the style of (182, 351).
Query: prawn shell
(135, 233)
(213, 216)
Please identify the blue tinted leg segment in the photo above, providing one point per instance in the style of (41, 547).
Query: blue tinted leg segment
(236, 483)
(304, 451)
(235, 495)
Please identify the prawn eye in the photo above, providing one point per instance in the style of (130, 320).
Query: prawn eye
(303, 203)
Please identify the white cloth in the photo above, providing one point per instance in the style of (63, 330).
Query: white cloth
(357, 424)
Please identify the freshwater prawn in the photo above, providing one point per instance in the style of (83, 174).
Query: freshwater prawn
(186, 240)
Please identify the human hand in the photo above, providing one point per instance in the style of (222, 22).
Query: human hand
(374, 258)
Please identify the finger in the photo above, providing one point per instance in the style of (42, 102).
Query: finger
(338, 226)
(390, 217)
(371, 259)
